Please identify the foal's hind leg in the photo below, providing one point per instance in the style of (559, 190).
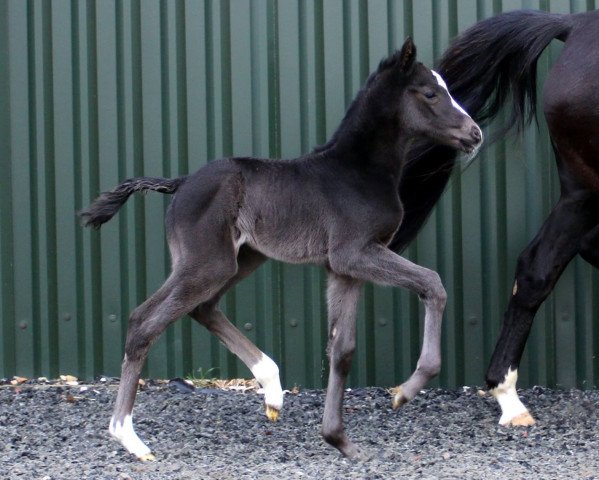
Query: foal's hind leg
(539, 267)
(342, 297)
(263, 368)
(179, 295)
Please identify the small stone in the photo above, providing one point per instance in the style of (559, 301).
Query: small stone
(18, 380)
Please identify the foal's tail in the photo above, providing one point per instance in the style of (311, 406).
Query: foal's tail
(498, 57)
(107, 204)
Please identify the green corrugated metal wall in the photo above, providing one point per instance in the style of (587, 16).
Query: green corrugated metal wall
(94, 92)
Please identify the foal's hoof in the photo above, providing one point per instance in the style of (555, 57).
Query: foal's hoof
(147, 457)
(525, 419)
(354, 453)
(272, 413)
(399, 399)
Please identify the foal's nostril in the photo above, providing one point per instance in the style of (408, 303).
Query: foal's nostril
(475, 133)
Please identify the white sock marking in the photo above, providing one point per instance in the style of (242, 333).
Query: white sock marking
(508, 399)
(266, 373)
(124, 433)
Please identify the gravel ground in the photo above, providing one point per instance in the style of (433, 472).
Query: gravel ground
(56, 431)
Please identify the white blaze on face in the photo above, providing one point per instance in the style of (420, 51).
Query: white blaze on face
(466, 158)
(442, 83)
(507, 397)
(266, 373)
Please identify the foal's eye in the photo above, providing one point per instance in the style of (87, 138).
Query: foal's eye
(430, 94)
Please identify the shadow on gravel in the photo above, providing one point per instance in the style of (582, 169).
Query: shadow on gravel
(60, 432)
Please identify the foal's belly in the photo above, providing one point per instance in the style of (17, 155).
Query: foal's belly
(290, 245)
(286, 237)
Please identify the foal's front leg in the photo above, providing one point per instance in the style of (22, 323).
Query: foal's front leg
(376, 263)
(342, 297)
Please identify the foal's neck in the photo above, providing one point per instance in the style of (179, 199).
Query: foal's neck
(380, 150)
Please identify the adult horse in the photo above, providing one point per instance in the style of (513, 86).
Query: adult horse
(486, 65)
(337, 207)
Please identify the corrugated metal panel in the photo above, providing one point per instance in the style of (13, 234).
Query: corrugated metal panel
(93, 92)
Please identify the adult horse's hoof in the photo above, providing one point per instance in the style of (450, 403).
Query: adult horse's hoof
(525, 419)
(272, 413)
(148, 457)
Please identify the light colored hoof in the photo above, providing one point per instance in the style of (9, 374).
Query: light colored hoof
(272, 413)
(399, 399)
(523, 420)
(148, 457)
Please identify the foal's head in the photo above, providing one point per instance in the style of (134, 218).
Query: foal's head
(405, 95)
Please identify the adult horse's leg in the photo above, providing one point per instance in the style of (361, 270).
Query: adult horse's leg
(538, 269)
(264, 369)
(380, 265)
(342, 298)
(589, 247)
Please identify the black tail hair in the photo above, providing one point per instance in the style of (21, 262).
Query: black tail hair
(107, 204)
(496, 58)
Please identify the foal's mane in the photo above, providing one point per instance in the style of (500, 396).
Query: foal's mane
(355, 107)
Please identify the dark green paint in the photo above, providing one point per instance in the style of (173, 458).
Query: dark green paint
(94, 92)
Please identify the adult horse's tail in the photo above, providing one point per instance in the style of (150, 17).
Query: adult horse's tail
(497, 59)
(107, 204)
(491, 62)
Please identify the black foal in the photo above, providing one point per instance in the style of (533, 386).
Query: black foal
(337, 207)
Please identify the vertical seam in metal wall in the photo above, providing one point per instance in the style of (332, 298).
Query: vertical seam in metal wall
(319, 73)
(6, 204)
(347, 55)
(94, 187)
(259, 275)
(391, 28)
(458, 257)
(125, 296)
(50, 189)
(78, 192)
(138, 154)
(183, 149)
(368, 289)
(210, 126)
(33, 181)
(308, 274)
(413, 300)
(166, 156)
(227, 138)
(274, 136)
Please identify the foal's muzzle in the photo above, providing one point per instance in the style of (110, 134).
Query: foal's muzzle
(472, 139)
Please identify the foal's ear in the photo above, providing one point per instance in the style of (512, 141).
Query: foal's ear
(407, 55)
